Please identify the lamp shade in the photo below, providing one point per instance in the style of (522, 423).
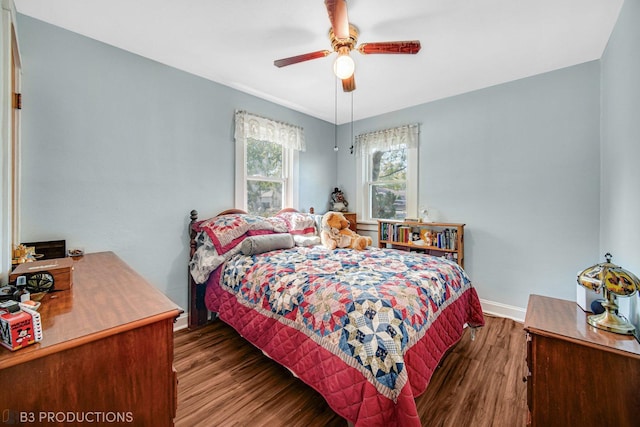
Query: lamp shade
(607, 275)
(613, 281)
(344, 66)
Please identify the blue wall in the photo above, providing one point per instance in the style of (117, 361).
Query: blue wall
(620, 197)
(117, 149)
(519, 164)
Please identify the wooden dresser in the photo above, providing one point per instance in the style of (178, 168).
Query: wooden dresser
(352, 217)
(106, 356)
(578, 375)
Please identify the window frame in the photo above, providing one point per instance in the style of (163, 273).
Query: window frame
(290, 137)
(364, 181)
(289, 179)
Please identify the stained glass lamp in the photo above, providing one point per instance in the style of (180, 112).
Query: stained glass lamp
(614, 281)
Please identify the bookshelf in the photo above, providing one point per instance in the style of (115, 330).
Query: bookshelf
(434, 238)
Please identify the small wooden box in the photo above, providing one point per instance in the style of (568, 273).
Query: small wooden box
(60, 268)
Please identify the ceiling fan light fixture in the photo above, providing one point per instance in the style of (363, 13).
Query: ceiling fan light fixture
(344, 38)
(344, 66)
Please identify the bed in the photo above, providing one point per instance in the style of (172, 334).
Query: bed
(366, 329)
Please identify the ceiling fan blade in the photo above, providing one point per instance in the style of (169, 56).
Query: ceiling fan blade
(406, 47)
(349, 84)
(301, 58)
(337, 10)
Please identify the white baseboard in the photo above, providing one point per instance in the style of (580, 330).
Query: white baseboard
(503, 310)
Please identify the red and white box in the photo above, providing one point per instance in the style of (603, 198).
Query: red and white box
(19, 329)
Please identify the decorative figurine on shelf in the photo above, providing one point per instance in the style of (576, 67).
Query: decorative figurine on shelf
(424, 214)
(416, 239)
(429, 237)
(338, 202)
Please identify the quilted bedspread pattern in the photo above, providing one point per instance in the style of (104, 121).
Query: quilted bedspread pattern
(364, 328)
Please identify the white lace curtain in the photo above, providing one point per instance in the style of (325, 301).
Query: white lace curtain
(262, 129)
(387, 139)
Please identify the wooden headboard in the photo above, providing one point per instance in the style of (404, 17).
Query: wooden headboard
(198, 313)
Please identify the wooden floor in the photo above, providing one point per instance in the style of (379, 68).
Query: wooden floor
(225, 381)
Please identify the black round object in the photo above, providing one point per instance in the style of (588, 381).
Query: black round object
(40, 282)
(596, 306)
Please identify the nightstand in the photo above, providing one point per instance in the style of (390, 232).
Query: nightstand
(353, 220)
(577, 374)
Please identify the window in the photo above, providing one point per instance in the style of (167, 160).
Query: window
(266, 182)
(266, 163)
(388, 173)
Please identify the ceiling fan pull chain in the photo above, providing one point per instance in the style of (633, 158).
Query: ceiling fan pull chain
(335, 120)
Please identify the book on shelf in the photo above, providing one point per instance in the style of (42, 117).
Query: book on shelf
(437, 239)
(404, 234)
(445, 238)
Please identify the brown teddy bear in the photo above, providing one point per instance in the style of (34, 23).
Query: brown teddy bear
(336, 233)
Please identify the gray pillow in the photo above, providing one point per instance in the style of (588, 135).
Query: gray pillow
(254, 245)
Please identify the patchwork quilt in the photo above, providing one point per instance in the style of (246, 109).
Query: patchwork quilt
(366, 329)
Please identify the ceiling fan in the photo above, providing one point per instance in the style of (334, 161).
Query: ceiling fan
(344, 37)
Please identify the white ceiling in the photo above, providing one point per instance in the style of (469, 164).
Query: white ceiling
(466, 44)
